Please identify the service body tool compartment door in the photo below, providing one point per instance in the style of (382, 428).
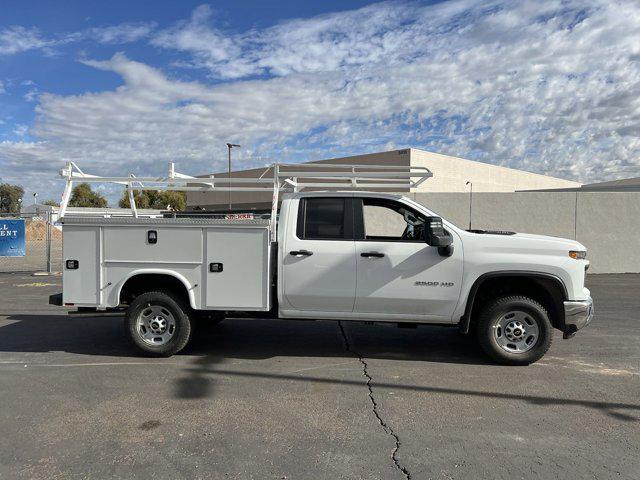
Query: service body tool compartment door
(80, 268)
(237, 268)
(151, 248)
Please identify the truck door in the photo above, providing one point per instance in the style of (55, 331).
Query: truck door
(398, 273)
(318, 259)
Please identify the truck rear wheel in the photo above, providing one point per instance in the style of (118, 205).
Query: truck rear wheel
(158, 324)
(514, 330)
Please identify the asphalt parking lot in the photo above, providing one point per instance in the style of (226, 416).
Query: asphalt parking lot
(293, 400)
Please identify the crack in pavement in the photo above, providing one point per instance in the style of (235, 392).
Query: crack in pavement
(386, 427)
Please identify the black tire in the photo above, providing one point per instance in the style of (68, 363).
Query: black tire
(179, 312)
(489, 331)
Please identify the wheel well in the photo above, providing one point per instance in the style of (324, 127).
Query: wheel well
(152, 282)
(546, 290)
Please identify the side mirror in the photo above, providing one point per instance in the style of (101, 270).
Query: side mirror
(435, 236)
(434, 233)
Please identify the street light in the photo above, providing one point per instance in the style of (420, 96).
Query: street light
(230, 146)
(469, 182)
(35, 198)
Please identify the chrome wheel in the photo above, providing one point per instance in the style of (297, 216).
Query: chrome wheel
(155, 325)
(516, 331)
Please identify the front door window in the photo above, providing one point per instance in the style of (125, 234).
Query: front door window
(388, 221)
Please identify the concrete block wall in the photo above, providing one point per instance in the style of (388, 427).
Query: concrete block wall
(607, 223)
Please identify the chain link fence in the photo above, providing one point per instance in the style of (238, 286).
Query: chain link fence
(43, 245)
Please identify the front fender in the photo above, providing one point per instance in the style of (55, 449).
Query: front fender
(465, 306)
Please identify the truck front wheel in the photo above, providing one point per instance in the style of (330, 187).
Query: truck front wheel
(514, 330)
(158, 324)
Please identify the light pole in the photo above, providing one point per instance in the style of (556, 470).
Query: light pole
(230, 146)
(469, 182)
(35, 198)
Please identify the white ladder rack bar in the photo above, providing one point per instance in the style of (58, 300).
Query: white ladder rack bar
(293, 177)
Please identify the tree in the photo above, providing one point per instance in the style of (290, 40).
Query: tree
(141, 198)
(83, 196)
(51, 203)
(10, 197)
(158, 200)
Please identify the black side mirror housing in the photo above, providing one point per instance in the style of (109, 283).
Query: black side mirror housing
(434, 233)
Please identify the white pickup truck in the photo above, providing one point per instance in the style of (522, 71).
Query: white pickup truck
(338, 255)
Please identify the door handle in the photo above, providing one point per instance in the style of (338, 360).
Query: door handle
(372, 254)
(301, 253)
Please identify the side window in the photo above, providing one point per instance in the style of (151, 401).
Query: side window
(324, 219)
(386, 220)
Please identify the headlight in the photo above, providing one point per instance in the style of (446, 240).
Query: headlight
(578, 254)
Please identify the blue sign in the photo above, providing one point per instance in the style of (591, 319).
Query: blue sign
(12, 238)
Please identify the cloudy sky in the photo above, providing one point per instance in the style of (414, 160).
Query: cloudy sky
(123, 86)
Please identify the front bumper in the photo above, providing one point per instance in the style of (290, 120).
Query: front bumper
(577, 315)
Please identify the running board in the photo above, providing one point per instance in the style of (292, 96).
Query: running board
(91, 312)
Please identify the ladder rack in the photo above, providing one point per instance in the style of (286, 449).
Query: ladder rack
(275, 178)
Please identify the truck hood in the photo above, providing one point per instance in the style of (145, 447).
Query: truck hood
(510, 239)
(558, 241)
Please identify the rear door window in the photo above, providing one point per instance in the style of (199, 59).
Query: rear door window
(328, 218)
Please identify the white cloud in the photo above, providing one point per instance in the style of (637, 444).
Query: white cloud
(16, 39)
(122, 33)
(2, 89)
(550, 87)
(31, 95)
(318, 44)
(20, 130)
(209, 46)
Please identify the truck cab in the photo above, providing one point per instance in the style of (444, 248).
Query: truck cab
(364, 257)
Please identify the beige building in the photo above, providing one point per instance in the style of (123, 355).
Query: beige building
(450, 174)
